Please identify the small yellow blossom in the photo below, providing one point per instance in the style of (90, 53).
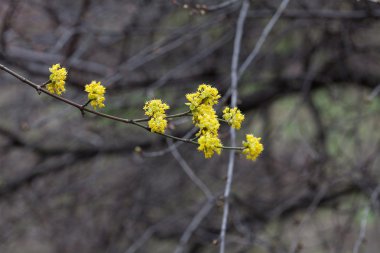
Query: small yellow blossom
(155, 107)
(206, 94)
(209, 144)
(233, 116)
(158, 124)
(201, 105)
(206, 119)
(252, 147)
(57, 79)
(96, 94)
(156, 110)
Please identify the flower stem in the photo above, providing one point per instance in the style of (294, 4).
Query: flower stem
(39, 87)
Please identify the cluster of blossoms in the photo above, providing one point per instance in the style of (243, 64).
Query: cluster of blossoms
(252, 147)
(233, 116)
(201, 106)
(155, 109)
(56, 85)
(57, 79)
(95, 94)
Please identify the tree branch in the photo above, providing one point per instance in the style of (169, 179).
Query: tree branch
(234, 94)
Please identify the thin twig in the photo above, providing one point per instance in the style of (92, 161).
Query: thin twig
(374, 93)
(263, 37)
(324, 14)
(42, 86)
(189, 172)
(310, 210)
(221, 5)
(149, 232)
(233, 86)
(204, 7)
(187, 113)
(150, 53)
(177, 144)
(86, 104)
(188, 63)
(195, 222)
(363, 228)
(82, 109)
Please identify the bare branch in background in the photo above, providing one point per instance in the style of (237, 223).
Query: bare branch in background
(234, 94)
(251, 57)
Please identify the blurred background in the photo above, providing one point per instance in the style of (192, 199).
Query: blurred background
(79, 184)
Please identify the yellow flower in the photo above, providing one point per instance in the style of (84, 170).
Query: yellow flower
(57, 79)
(206, 119)
(201, 105)
(206, 94)
(155, 107)
(156, 110)
(209, 144)
(96, 94)
(233, 116)
(158, 124)
(252, 147)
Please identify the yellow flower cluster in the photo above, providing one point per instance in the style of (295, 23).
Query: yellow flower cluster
(95, 94)
(233, 116)
(209, 144)
(252, 147)
(206, 95)
(201, 105)
(57, 79)
(204, 117)
(156, 110)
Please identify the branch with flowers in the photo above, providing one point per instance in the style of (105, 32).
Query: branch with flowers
(201, 108)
